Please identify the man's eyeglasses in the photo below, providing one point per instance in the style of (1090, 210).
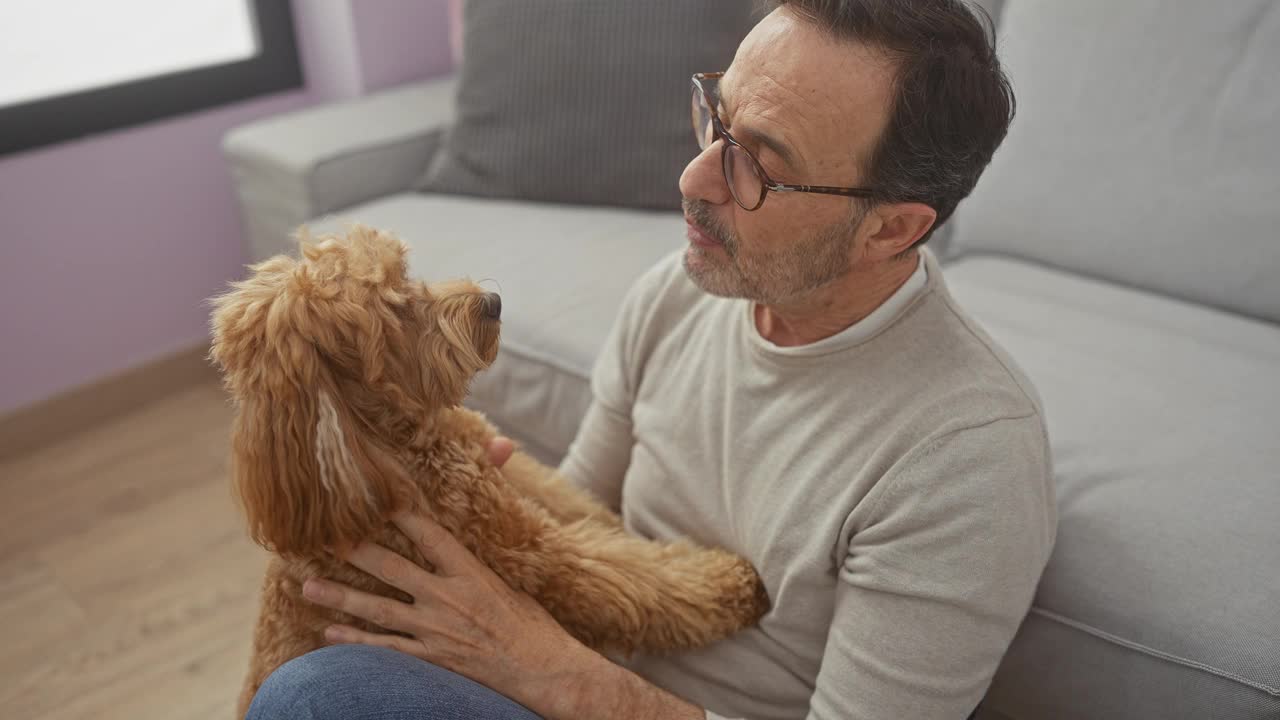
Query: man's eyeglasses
(747, 180)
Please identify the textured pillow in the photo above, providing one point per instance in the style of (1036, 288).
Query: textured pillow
(582, 101)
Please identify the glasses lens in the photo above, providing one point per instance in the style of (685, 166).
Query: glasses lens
(702, 128)
(744, 182)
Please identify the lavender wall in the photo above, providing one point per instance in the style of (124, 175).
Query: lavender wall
(400, 39)
(327, 46)
(109, 245)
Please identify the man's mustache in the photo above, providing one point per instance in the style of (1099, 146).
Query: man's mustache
(700, 212)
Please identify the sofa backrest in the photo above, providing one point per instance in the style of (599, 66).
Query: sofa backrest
(1146, 148)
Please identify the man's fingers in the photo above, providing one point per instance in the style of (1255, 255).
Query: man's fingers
(500, 450)
(345, 634)
(383, 612)
(389, 567)
(437, 544)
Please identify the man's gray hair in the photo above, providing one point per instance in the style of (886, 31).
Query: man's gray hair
(952, 104)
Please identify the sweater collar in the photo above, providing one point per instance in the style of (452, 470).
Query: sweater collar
(866, 328)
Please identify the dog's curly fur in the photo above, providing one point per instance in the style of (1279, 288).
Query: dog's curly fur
(347, 377)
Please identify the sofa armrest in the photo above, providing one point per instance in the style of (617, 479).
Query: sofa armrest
(294, 167)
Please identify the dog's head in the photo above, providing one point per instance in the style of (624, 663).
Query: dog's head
(334, 360)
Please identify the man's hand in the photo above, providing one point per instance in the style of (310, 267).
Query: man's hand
(500, 450)
(466, 619)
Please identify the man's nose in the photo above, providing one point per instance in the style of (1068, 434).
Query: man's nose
(493, 306)
(703, 178)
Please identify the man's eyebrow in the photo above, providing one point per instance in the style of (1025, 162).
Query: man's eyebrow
(778, 147)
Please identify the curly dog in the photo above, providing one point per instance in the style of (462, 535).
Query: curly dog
(347, 378)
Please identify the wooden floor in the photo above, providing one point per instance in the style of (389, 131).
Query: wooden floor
(127, 587)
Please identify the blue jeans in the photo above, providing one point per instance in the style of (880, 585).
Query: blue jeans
(359, 682)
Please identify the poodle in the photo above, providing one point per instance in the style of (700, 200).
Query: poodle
(347, 379)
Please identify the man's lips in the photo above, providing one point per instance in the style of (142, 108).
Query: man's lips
(699, 237)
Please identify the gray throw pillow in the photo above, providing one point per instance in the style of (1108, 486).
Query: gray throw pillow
(582, 101)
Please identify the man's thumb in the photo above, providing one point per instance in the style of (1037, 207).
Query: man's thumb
(500, 450)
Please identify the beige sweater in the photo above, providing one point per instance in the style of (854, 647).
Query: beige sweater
(891, 484)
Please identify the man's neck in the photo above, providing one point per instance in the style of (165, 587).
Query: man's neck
(824, 312)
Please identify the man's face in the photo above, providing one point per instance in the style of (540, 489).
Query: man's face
(823, 105)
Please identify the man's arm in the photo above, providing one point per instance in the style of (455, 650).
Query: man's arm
(598, 459)
(941, 568)
(600, 454)
(598, 688)
(465, 618)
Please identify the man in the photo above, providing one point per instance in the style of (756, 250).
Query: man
(796, 386)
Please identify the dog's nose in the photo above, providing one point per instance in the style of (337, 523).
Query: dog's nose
(493, 305)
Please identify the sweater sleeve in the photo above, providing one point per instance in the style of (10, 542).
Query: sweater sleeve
(598, 459)
(600, 454)
(938, 576)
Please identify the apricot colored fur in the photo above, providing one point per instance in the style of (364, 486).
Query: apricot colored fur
(348, 378)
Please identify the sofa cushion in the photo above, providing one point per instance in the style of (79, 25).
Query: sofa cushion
(1161, 598)
(562, 273)
(582, 102)
(1144, 149)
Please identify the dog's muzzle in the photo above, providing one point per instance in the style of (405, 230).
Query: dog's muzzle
(492, 306)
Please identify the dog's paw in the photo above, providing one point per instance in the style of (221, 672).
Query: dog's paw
(760, 603)
(750, 599)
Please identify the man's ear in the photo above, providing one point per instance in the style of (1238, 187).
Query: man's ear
(899, 226)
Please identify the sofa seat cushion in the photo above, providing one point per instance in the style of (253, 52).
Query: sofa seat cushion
(1162, 597)
(562, 272)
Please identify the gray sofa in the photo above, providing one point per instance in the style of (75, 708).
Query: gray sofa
(1123, 247)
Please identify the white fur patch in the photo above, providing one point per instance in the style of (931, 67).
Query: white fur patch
(338, 470)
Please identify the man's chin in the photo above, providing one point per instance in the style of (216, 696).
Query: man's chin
(711, 274)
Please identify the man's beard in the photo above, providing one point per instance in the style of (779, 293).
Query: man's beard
(769, 278)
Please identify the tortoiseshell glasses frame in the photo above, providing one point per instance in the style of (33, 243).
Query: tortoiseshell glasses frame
(746, 177)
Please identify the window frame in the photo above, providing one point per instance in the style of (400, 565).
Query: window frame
(46, 121)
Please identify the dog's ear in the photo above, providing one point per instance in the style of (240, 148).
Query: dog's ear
(308, 472)
(308, 478)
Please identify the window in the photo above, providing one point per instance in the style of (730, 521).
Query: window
(70, 68)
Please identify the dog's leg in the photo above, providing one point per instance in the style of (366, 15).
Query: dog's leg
(265, 633)
(636, 595)
(614, 591)
(565, 501)
(609, 589)
(287, 628)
